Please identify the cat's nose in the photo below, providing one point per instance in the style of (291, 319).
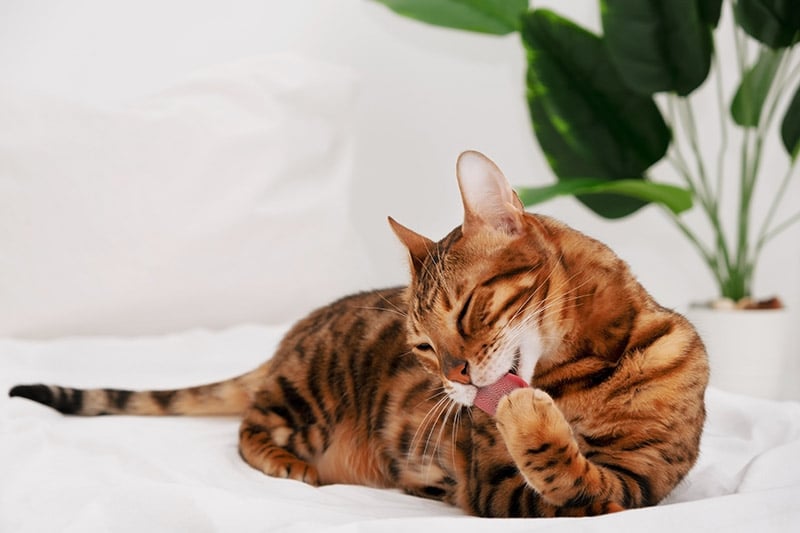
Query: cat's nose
(456, 370)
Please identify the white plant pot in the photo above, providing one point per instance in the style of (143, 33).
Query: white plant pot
(748, 350)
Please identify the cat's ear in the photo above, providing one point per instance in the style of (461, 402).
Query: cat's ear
(418, 246)
(489, 200)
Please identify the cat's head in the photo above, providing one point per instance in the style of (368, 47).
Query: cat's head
(478, 297)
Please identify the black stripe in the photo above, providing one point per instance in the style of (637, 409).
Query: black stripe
(251, 430)
(314, 380)
(279, 410)
(402, 363)
(644, 342)
(462, 315)
(508, 274)
(481, 430)
(69, 401)
(488, 503)
(505, 306)
(541, 449)
(642, 444)
(118, 398)
(163, 397)
(337, 379)
(394, 469)
(431, 491)
(642, 482)
(296, 402)
(413, 393)
(580, 382)
(354, 380)
(474, 492)
(582, 499)
(663, 372)
(406, 436)
(515, 502)
(531, 503)
(627, 499)
(549, 464)
(500, 473)
(380, 412)
(601, 441)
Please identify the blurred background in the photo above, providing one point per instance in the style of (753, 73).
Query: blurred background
(423, 95)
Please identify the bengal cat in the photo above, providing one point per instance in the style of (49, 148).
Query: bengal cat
(380, 388)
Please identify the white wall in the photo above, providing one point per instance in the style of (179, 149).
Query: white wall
(426, 94)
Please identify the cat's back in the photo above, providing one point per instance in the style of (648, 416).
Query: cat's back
(344, 333)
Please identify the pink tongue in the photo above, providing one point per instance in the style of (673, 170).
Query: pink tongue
(489, 396)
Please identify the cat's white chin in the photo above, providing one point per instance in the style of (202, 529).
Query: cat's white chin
(462, 394)
(518, 356)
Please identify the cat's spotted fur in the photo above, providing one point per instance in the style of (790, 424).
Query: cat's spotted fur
(376, 389)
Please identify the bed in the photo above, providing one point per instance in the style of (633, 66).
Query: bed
(172, 241)
(185, 474)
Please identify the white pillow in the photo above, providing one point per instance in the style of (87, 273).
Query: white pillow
(221, 200)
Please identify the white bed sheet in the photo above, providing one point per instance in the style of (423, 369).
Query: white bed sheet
(184, 474)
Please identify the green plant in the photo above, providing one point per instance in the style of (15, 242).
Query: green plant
(598, 105)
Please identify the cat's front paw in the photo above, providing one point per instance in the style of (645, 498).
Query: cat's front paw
(529, 419)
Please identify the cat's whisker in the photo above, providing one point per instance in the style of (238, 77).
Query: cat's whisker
(439, 392)
(442, 406)
(400, 311)
(444, 403)
(395, 311)
(524, 305)
(535, 290)
(435, 452)
(546, 309)
(552, 303)
(426, 421)
(454, 436)
(429, 258)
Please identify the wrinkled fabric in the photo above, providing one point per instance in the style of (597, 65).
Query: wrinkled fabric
(133, 474)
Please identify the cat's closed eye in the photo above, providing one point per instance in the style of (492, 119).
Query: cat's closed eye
(424, 347)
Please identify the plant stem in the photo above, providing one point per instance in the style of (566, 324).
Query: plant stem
(704, 194)
(723, 126)
(766, 234)
(679, 161)
(781, 78)
(782, 226)
(737, 286)
(691, 130)
(708, 257)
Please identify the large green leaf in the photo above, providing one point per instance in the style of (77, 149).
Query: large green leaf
(749, 99)
(587, 121)
(790, 127)
(773, 22)
(497, 17)
(710, 11)
(658, 46)
(673, 198)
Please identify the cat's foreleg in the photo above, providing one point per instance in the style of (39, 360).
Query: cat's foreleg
(257, 445)
(541, 442)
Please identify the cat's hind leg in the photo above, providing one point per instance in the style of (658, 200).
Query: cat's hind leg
(263, 437)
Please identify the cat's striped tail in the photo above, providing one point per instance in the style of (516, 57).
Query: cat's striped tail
(229, 397)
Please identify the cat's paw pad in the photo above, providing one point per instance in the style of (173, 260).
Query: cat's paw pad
(524, 404)
(530, 415)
